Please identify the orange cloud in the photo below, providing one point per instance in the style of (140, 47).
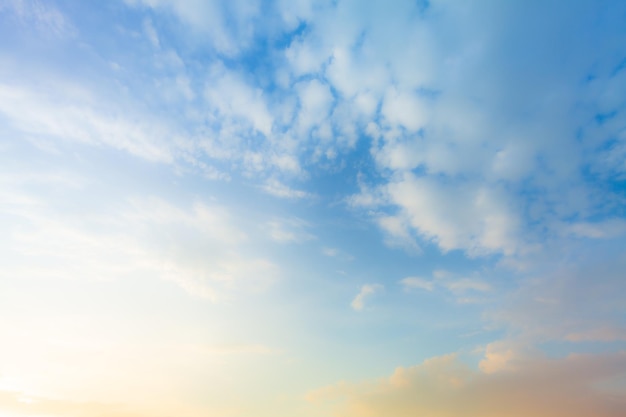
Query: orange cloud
(576, 386)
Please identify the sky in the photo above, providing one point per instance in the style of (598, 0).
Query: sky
(331, 208)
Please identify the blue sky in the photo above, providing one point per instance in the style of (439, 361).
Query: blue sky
(312, 208)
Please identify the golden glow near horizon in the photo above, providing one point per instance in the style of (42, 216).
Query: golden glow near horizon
(312, 208)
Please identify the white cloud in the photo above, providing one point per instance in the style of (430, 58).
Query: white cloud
(416, 282)
(278, 189)
(337, 253)
(367, 290)
(455, 82)
(505, 355)
(286, 163)
(288, 230)
(151, 33)
(233, 98)
(451, 282)
(315, 104)
(475, 219)
(40, 15)
(475, 146)
(466, 284)
(201, 248)
(397, 232)
(608, 228)
(73, 116)
(229, 26)
(356, 77)
(405, 109)
(304, 59)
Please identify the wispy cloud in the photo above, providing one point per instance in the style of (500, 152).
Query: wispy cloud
(291, 230)
(416, 282)
(367, 290)
(466, 284)
(42, 16)
(278, 189)
(452, 282)
(337, 253)
(200, 248)
(76, 118)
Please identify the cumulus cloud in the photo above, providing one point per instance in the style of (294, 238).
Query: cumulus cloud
(453, 157)
(448, 128)
(578, 385)
(470, 167)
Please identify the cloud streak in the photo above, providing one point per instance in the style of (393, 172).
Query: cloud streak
(367, 290)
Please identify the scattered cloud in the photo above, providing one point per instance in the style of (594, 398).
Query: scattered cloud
(465, 284)
(232, 97)
(452, 282)
(337, 253)
(228, 27)
(278, 189)
(602, 230)
(367, 290)
(416, 282)
(291, 230)
(442, 215)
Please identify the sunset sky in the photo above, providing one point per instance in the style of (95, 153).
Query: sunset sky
(331, 208)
